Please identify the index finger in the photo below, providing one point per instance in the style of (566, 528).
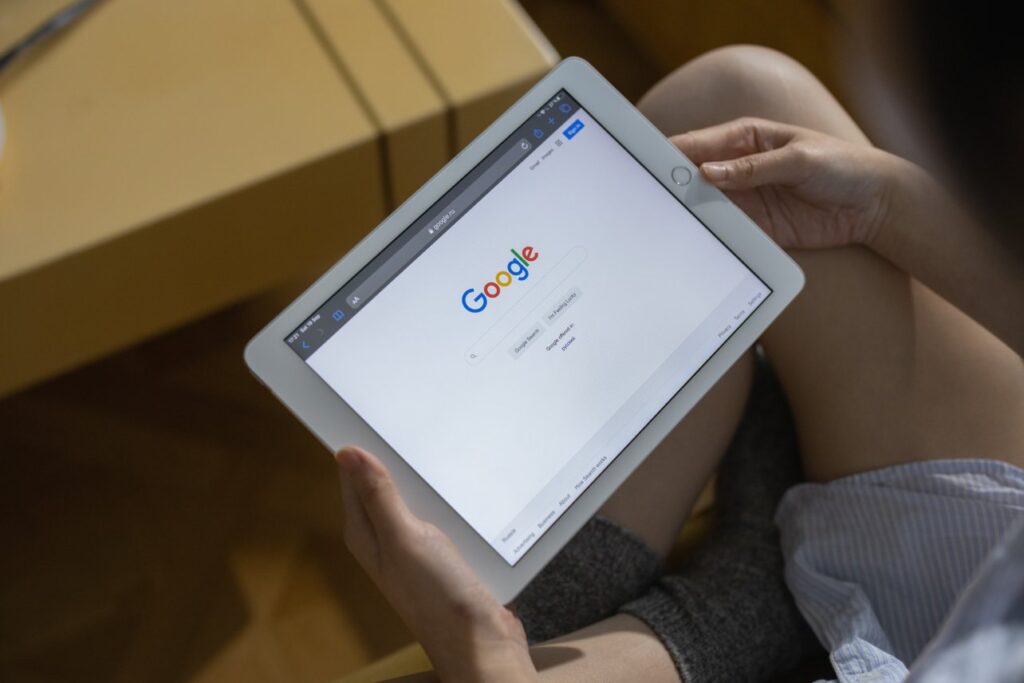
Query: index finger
(734, 139)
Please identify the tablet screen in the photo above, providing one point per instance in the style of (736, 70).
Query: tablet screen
(517, 336)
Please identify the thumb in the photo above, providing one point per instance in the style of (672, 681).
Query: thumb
(784, 166)
(372, 484)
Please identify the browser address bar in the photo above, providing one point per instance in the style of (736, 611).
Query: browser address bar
(439, 223)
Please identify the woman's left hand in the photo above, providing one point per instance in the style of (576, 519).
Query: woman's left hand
(466, 633)
(806, 189)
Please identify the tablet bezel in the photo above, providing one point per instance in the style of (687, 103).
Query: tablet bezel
(335, 424)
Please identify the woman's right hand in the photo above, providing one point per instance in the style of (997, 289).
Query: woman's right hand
(468, 635)
(807, 190)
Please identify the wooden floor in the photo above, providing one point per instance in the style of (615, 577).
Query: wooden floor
(162, 518)
(165, 519)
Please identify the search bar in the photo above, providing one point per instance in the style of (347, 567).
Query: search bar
(522, 313)
(439, 223)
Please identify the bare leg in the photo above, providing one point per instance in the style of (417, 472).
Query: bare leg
(878, 369)
(724, 84)
(637, 656)
(657, 499)
(716, 87)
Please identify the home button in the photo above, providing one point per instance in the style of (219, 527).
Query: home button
(681, 175)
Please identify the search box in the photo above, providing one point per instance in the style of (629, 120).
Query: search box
(525, 311)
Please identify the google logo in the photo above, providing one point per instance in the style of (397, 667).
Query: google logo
(518, 268)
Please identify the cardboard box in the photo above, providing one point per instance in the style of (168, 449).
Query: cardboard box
(395, 90)
(165, 159)
(482, 55)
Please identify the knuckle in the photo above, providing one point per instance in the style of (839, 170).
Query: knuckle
(752, 132)
(464, 611)
(803, 155)
(430, 538)
(427, 534)
(747, 125)
(434, 534)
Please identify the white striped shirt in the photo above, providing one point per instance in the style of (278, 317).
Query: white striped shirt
(875, 561)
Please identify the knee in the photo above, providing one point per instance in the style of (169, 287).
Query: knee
(729, 82)
(744, 66)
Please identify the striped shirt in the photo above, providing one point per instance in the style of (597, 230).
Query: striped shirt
(875, 561)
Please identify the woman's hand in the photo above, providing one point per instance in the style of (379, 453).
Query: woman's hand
(468, 635)
(809, 190)
(804, 188)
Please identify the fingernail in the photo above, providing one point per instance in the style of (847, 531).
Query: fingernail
(714, 171)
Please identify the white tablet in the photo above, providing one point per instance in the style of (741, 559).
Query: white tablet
(520, 334)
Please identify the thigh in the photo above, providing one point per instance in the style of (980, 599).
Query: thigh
(620, 648)
(721, 85)
(878, 369)
(658, 497)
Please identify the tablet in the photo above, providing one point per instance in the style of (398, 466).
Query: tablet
(519, 335)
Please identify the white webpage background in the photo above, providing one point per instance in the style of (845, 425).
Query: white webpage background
(489, 437)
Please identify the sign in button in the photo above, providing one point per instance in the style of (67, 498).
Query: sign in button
(574, 128)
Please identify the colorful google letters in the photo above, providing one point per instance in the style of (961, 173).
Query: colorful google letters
(516, 269)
